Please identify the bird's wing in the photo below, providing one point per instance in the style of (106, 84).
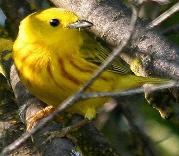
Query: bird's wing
(94, 52)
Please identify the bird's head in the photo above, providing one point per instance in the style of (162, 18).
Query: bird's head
(52, 26)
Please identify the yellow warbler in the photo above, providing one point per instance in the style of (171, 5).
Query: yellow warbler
(54, 58)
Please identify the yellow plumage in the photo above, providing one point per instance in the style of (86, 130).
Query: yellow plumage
(54, 59)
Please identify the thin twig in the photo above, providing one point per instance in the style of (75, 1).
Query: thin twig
(164, 16)
(75, 97)
(128, 92)
(115, 52)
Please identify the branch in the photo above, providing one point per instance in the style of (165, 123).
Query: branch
(77, 96)
(156, 56)
(129, 92)
(165, 15)
(10, 125)
(139, 43)
(149, 53)
(30, 105)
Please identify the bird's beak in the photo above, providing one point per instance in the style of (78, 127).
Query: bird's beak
(80, 24)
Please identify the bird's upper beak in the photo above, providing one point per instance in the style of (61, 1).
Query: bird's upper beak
(80, 24)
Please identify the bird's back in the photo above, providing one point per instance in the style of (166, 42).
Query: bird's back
(54, 61)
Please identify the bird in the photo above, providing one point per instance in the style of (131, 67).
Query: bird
(55, 55)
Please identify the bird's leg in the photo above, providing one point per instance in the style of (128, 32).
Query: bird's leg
(31, 122)
(65, 132)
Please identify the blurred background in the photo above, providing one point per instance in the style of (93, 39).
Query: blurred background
(132, 126)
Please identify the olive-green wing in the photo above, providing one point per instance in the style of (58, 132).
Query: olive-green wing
(94, 52)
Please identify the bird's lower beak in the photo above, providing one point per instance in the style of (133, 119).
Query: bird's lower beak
(80, 24)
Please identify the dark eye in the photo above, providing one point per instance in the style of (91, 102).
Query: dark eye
(54, 22)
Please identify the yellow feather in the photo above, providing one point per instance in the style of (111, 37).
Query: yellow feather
(54, 61)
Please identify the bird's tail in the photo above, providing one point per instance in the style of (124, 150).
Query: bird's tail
(132, 81)
(152, 80)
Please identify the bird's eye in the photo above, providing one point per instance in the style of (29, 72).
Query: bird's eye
(54, 22)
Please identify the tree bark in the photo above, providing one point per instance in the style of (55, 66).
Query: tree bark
(155, 55)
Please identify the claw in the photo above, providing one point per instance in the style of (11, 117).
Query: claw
(32, 121)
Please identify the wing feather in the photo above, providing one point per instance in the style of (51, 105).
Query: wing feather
(94, 52)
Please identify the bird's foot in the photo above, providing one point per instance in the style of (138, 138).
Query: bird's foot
(31, 122)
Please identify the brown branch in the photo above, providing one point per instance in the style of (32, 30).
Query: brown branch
(164, 16)
(65, 145)
(10, 125)
(149, 53)
(129, 92)
(138, 42)
(29, 106)
(156, 56)
(88, 138)
(72, 99)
